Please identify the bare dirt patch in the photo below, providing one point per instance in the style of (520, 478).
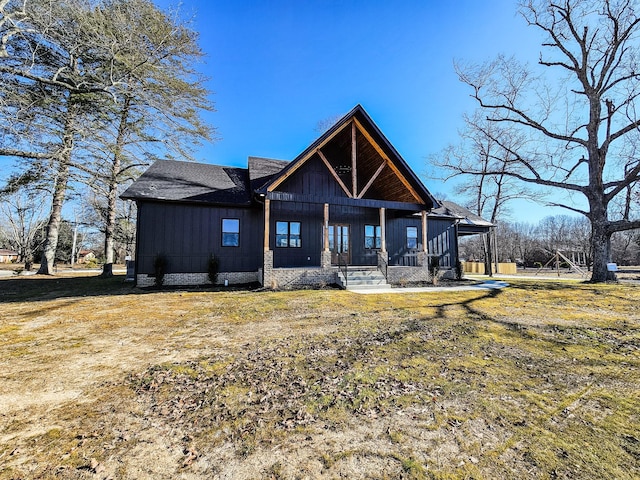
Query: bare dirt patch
(99, 380)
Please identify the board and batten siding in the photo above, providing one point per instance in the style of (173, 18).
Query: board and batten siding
(188, 234)
(310, 216)
(313, 178)
(399, 254)
(357, 218)
(442, 241)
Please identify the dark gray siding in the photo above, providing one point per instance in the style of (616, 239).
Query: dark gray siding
(442, 241)
(313, 178)
(399, 254)
(188, 234)
(310, 216)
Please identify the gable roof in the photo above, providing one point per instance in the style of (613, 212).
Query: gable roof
(262, 170)
(380, 143)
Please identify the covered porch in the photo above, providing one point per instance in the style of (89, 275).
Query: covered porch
(309, 243)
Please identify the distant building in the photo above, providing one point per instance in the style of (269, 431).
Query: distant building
(85, 256)
(8, 256)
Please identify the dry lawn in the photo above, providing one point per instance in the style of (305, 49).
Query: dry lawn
(99, 380)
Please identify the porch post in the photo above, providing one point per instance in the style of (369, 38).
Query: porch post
(383, 230)
(268, 279)
(326, 227)
(425, 244)
(325, 255)
(267, 209)
(423, 256)
(496, 260)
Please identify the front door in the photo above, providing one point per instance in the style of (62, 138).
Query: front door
(339, 243)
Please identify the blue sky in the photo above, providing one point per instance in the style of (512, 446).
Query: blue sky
(278, 68)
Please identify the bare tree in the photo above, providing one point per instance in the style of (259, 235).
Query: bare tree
(580, 123)
(23, 212)
(625, 247)
(517, 241)
(96, 212)
(488, 191)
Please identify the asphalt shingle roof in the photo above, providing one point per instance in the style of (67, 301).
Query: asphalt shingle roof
(173, 180)
(450, 209)
(262, 170)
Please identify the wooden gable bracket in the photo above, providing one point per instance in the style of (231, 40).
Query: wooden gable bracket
(354, 164)
(301, 161)
(333, 172)
(387, 160)
(372, 179)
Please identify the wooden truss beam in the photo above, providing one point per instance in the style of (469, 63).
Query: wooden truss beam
(335, 175)
(372, 179)
(388, 160)
(301, 161)
(354, 168)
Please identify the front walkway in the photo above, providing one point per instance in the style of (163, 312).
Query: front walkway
(485, 285)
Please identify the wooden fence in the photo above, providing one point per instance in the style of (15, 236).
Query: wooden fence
(478, 267)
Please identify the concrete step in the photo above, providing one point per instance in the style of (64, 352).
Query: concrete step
(362, 278)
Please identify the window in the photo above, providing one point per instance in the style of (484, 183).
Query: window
(372, 236)
(230, 232)
(288, 234)
(412, 237)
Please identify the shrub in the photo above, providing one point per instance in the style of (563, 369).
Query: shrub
(213, 267)
(92, 263)
(434, 268)
(459, 270)
(160, 264)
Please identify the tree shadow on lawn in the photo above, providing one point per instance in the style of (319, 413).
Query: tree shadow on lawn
(474, 312)
(37, 288)
(41, 288)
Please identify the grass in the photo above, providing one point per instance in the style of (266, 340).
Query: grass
(540, 380)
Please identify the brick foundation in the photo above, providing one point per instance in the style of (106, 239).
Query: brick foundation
(184, 279)
(285, 278)
(401, 275)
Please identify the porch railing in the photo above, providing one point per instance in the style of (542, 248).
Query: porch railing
(409, 259)
(383, 265)
(346, 268)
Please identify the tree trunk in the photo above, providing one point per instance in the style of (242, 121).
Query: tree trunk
(109, 231)
(28, 262)
(59, 192)
(110, 227)
(55, 218)
(600, 242)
